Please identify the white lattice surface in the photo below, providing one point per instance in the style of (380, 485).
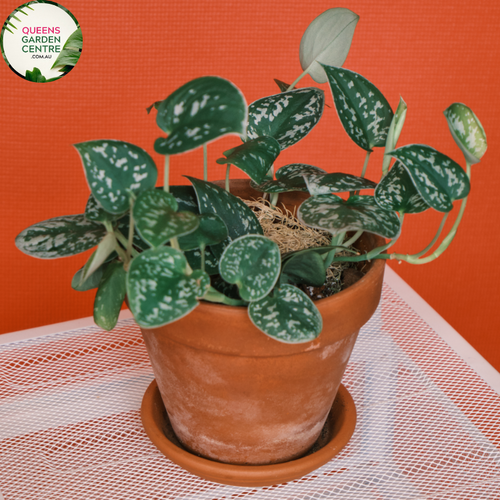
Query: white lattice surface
(428, 426)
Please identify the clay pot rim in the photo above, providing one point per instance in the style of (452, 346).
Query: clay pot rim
(342, 424)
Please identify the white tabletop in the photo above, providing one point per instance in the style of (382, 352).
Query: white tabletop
(428, 416)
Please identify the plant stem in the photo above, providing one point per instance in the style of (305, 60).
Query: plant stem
(430, 245)
(166, 174)
(130, 229)
(292, 86)
(202, 257)
(121, 238)
(365, 165)
(274, 199)
(205, 162)
(228, 168)
(174, 243)
(213, 295)
(353, 239)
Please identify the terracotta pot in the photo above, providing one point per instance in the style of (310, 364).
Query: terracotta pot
(235, 395)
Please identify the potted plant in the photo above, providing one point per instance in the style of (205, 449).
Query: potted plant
(247, 364)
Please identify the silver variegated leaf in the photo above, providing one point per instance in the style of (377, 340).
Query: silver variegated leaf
(94, 212)
(110, 296)
(327, 40)
(238, 218)
(254, 157)
(200, 111)
(359, 213)
(397, 192)
(336, 183)
(156, 219)
(364, 112)
(211, 230)
(211, 261)
(160, 290)
(467, 131)
(288, 117)
(289, 178)
(60, 237)
(288, 315)
(185, 198)
(114, 169)
(252, 262)
(438, 179)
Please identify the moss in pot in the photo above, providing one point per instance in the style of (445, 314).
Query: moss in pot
(176, 250)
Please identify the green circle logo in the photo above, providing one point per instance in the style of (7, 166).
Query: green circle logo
(41, 41)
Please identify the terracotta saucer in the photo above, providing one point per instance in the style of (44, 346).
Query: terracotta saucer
(337, 431)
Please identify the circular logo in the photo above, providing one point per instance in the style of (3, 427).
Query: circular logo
(41, 41)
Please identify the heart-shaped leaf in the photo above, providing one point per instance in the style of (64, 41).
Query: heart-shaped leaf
(94, 212)
(289, 178)
(160, 290)
(200, 111)
(288, 315)
(438, 179)
(211, 261)
(114, 169)
(327, 40)
(210, 231)
(253, 263)
(254, 157)
(364, 112)
(156, 219)
(336, 183)
(60, 237)
(239, 219)
(304, 268)
(288, 117)
(397, 192)
(110, 296)
(359, 213)
(467, 131)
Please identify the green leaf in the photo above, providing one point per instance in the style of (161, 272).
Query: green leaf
(254, 157)
(253, 263)
(160, 290)
(114, 169)
(397, 123)
(110, 296)
(288, 117)
(90, 283)
(438, 179)
(397, 192)
(94, 212)
(304, 268)
(70, 53)
(289, 178)
(211, 230)
(60, 237)
(200, 111)
(105, 248)
(156, 219)
(359, 213)
(185, 197)
(288, 316)
(336, 183)
(35, 76)
(239, 219)
(211, 261)
(364, 112)
(327, 40)
(467, 131)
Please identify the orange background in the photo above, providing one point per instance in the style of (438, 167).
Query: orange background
(431, 53)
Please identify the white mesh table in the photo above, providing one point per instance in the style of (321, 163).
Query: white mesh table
(428, 417)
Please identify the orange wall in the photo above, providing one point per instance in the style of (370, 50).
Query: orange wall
(431, 53)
